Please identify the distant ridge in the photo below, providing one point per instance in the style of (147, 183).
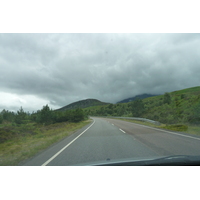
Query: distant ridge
(141, 96)
(82, 104)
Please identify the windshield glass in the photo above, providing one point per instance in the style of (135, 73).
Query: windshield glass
(92, 93)
(86, 99)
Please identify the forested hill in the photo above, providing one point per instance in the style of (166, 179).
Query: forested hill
(142, 96)
(83, 104)
(182, 106)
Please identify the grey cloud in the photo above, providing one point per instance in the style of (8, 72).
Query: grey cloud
(63, 68)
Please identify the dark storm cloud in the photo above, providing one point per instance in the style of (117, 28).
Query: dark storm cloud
(62, 68)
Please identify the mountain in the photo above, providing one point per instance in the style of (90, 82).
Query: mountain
(177, 107)
(83, 104)
(142, 96)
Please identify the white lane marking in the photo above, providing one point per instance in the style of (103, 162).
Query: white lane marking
(122, 130)
(167, 131)
(48, 161)
(113, 124)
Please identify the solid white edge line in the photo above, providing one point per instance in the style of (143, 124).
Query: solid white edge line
(48, 161)
(167, 131)
(122, 130)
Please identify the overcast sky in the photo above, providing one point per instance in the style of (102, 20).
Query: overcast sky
(58, 69)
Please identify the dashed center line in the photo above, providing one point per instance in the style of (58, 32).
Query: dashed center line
(122, 130)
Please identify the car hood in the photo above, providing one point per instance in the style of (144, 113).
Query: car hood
(175, 160)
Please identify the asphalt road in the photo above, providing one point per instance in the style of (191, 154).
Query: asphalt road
(111, 139)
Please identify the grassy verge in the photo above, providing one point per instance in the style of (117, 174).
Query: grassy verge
(191, 129)
(15, 150)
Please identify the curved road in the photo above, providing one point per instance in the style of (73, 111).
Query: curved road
(111, 139)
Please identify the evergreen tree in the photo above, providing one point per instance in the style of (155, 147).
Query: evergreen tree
(45, 115)
(120, 110)
(167, 98)
(21, 115)
(137, 108)
(195, 117)
(1, 118)
(78, 115)
(7, 115)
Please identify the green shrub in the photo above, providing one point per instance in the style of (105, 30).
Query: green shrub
(5, 134)
(177, 127)
(137, 108)
(1, 119)
(167, 98)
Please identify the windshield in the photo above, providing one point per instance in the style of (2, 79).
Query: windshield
(81, 99)
(94, 92)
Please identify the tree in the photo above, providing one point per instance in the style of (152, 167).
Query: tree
(1, 119)
(102, 111)
(21, 115)
(45, 115)
(182, 96)
(195, 116)
(7, 115)
(137, 108)
(110, 106)
(120, 110)
(78, 115)
(167, 98)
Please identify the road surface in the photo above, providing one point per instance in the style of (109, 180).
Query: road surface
(111, 139)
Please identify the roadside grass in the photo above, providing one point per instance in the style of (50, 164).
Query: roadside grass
(193, 130)
(18, 149)
(190, 129)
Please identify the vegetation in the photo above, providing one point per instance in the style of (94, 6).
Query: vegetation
(32, 138)
(167, 98)
(137, 108)
(177, 127)
(83, 104)
(178, 110)
(36, 131)
(13, 125)
(191, 129)
(142, 96)
(178, 107)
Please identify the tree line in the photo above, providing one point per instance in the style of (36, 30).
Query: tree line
(167, 108)
(135, 108)
(43, 116)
